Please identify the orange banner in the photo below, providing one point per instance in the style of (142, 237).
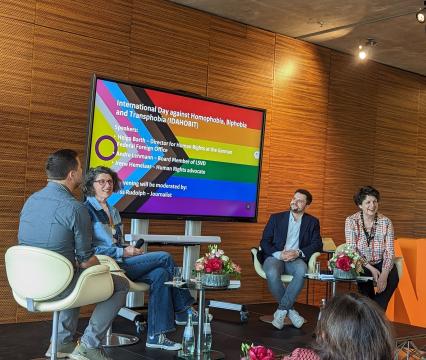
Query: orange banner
(408, 305)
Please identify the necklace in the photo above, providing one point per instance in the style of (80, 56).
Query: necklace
(111, 223)
(369, 236)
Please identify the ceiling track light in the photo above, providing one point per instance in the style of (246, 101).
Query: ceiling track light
(363, 50)
(421, 14)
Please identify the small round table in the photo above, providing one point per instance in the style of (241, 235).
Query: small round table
(201, 290)
(329, 278)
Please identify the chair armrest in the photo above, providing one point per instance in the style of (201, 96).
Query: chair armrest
(108, 261)
(256, 264)
(312, 261)
(399, 263)
(116, 270)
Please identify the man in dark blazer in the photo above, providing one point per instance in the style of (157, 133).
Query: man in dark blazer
(288, 241)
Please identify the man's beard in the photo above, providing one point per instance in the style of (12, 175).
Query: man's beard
(296, 210)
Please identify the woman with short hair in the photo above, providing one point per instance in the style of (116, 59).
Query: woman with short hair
(167, 305)
(371, 234)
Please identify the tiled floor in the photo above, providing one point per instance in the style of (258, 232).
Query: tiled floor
(30, 340)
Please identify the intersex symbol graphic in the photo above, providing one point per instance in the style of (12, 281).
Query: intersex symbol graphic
(98, 143)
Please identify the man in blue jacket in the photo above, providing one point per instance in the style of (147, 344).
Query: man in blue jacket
(288, 241)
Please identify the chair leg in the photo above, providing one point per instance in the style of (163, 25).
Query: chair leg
(53, 355)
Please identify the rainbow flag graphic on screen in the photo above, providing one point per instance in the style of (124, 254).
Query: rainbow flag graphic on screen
(179, 156)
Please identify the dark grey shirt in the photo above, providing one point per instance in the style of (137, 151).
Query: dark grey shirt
(53, 219)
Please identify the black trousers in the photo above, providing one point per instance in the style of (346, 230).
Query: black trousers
(383, 298)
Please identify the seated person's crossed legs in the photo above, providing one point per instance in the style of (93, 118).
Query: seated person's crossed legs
(167, 305)
(285, 295)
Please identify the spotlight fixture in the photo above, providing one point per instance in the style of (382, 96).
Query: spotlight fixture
(363, 50)
(420, 16)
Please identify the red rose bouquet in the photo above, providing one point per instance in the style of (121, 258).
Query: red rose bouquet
(346, 259)
(216, 262)
(259, 352)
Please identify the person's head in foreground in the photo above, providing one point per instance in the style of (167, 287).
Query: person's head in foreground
(353, 327)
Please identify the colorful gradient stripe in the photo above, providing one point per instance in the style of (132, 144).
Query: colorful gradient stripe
(253, 119)
(187, 206)
(216, 170)
(219, 133)
(210, 189)
(239, 154)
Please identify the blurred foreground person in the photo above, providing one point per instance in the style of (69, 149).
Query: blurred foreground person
(351, 327)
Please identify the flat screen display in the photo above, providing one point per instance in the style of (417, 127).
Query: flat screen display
(179, 156)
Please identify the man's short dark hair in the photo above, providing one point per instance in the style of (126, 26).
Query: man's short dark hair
(362, 193)
(306, 193)
(60, 163)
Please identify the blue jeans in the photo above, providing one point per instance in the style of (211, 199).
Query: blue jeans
(155, 268)
(274, 268)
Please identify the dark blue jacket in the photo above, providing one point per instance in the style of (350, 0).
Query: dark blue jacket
(275, 235)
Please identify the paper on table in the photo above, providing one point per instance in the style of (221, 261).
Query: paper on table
(364, 278)
(176, 284)
(234, 284)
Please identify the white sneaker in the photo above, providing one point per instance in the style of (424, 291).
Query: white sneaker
(295, 318)
(160, 341)
(279, 317)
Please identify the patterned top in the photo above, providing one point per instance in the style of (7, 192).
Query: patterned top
(381, 247)
(302, 354)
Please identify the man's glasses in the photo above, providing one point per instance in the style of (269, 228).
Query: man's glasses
(102, 182)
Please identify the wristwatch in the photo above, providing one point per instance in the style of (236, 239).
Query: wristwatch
(300, 253)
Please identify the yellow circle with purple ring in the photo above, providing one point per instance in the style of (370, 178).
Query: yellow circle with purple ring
(98, 144)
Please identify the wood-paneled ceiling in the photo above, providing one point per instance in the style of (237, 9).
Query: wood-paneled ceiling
(336, 24)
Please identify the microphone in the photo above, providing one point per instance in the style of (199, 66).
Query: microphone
(139, 243)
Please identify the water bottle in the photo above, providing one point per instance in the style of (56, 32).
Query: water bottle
(321, 307)
(188, 341)
(207, 333)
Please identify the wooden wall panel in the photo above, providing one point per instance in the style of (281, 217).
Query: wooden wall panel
(16, 55)
(15, 73)
(63, 67)
(351, 132)
(170, 46)
(241, 67)
(331, 125)
(299, 123)
(396, 147)
(107, 20)
(420, 203)
(18, 9)
(10, 207)
(7, 303)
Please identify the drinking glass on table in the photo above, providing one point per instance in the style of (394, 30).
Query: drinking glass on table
(177, 275)
(317, 269)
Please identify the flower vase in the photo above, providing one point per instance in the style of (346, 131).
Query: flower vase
(215, 280)
(341, 274)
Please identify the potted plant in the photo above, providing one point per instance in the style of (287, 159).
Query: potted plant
(216, 268)
(345, 263)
